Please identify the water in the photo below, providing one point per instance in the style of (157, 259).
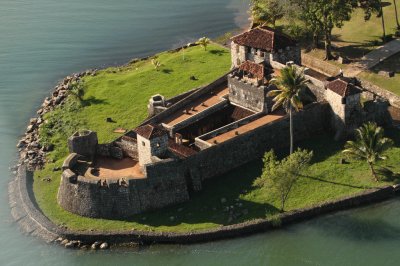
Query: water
(42, 41)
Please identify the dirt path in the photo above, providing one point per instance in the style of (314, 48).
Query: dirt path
(373, 58)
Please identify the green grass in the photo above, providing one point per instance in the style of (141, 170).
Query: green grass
(123, 95)
(391, 84)
(357, 37)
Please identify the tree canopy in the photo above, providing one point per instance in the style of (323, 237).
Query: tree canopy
(281, 175)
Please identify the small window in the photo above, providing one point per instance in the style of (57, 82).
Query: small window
(238, 62)
(237, 48)
(262, 54)
(143, 144)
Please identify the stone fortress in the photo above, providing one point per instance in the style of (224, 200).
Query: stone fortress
(207, 132)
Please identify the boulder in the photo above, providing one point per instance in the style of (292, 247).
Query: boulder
(104, 246)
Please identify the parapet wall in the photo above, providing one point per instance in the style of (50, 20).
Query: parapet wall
(247, 95)
(393, 99)
(117, 199)
(185, 101)
(252, 145)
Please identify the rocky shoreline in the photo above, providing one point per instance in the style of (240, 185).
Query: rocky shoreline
(31, 152)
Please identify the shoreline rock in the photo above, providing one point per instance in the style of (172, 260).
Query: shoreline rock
(31, 153)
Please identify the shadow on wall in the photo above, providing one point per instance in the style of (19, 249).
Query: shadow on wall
(214, 203)
(217, 203)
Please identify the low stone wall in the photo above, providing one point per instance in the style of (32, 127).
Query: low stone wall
(32, 221)
(393, 99)
(197, 93)
(319, 65)
(193, 119)
(228, 127)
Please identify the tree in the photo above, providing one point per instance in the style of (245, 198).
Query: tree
(282, 175)
(156, 64)
(322, 16)
(290, 85)
(396, 14)
(370, 145)
(267, 11)
(374, 6)
(204, 42)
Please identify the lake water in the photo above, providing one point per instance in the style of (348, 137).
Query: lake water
(42, 41)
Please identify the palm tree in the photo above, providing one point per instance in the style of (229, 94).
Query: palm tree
(204, 42)
(370, 145)
(289, 87)
(156, 64)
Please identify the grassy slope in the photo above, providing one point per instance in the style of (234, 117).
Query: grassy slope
(391, 84)
(123, 96)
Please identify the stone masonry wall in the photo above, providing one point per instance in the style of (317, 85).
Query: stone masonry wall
(288, 54)
(247, 95)
(164, 185)
(393, 99)
(252, 145)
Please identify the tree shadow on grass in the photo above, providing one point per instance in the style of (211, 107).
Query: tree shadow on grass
(167, 71)
(334, 183)
(93, 101)
(219, 202)
(218, 52)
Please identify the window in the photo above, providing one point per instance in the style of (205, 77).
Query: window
(143, 144)
(237, 48)
(262, 54)
(238, 61)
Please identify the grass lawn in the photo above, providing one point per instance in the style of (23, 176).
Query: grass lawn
(391, 84)
(357, 36)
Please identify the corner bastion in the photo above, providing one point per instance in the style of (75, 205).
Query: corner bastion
(85, 192)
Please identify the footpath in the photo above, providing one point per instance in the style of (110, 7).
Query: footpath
(373, 58)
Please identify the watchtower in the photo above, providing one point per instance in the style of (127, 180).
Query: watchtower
(152, 141)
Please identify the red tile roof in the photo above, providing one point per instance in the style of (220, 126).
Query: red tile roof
(264, 38)
(343, 88)
(256, 69)
(150, 131)
(180, 150)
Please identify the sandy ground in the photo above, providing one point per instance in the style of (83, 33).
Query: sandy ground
(114, 169)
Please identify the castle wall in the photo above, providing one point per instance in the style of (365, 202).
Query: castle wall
(83, 143)
(164, 185)
(238, 54)
(149, 148)
(290, 53)
(129, 147)
(246, 94)
(252, 145)
(185, 101)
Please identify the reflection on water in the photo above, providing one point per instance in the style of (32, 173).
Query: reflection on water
(44, 40)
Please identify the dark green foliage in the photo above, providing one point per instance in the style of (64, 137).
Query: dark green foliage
(281, 175)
